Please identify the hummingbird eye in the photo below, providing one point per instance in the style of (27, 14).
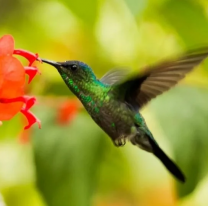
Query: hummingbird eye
(73, 67)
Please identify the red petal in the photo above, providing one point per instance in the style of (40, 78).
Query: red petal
(17, 99)
(12, 77)
(68, 111)
(31, 57)
(30, 101)
(8, 110)
(10, 107)
(31, 118)
(31, 71)
(6, 45)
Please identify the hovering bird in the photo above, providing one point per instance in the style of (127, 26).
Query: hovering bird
(114, 101)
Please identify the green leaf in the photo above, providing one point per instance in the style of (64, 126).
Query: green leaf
(85, 10)
(189, 20)
(15, 123)
(22, 195)
(67, 159)
(183, 116)
(136, 6)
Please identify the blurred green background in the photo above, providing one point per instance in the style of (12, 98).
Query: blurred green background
(70, 161)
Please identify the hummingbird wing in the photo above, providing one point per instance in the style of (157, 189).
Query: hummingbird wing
(114, 76)
(155, 80)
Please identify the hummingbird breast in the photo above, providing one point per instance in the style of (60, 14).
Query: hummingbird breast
(116, 119)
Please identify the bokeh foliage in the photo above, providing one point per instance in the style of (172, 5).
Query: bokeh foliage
(76, 164)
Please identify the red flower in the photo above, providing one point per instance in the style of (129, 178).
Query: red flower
(68, 111)
(12, 80)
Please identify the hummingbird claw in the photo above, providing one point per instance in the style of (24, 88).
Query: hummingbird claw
(119, 142)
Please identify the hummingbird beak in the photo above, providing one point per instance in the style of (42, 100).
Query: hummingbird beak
(55, 64)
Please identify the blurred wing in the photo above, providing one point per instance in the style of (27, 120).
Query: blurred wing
(114, 76)
(158, 79)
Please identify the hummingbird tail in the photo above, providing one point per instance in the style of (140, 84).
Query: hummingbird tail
(168, 163)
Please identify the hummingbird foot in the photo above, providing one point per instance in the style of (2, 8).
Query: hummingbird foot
(119, 142)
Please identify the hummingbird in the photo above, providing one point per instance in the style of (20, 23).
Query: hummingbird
(115, 100)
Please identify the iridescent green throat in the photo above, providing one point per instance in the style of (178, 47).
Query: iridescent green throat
(91, 93)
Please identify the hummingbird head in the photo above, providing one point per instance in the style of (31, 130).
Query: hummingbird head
(76, 74)
(73, 69)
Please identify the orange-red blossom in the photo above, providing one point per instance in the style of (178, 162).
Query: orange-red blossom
(12, 82)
